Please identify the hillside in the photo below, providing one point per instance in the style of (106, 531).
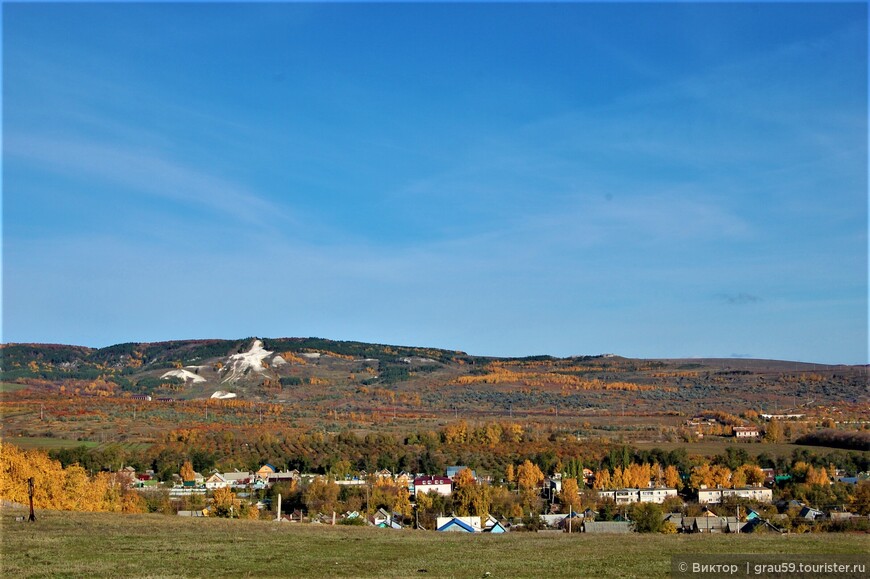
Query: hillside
(355, 376)
(316, 403)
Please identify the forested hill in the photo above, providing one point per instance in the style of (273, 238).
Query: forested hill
(351, 376)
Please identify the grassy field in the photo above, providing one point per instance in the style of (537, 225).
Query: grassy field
(45, 443)
(110, 545)
(10, 387)
(28, 442)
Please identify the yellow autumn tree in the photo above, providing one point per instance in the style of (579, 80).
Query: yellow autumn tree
(721, 476)
(817, 477)
(529, 476)
(637, 475)
(754, 475)
(402, 503)
(738, 477)
(54, 487)
(470, 498)
(456, 432)
(672, 477)
(187, 473)
(225, 503)
(602, 480)
(570, 495)
(701, 477)
(617, 480)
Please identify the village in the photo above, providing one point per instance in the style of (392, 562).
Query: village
(749, 508)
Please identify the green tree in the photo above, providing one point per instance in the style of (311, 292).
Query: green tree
(647, 518)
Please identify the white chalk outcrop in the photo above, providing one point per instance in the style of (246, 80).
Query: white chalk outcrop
(239, 364)
(184, 375)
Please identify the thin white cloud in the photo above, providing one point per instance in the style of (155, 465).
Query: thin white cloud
(143, 171)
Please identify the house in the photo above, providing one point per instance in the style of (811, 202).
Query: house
(216, 481)
(735, 526)
(458, 524)
(705, 524)
(490, 522)
(384, 520)
(265, 471)
(759, 525)
(606, 527)
(811, 514)
(381, 516)
(237, 478)
(769, 476)
(493, 525)
(404, 479)
(284, 476)
(710, 522)
(746, 432)
(384, 474)
(554, 484)
(391, 524)
(433, 484)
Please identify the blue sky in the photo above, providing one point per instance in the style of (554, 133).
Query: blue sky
(654, 180)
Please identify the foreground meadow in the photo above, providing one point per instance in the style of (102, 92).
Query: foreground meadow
(65, 544)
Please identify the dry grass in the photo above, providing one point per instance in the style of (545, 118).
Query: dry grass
(107, 545)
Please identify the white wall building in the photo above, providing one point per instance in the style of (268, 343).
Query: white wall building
(713, 496)
(627, 496)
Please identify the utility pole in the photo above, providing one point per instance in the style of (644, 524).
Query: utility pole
(32, 517)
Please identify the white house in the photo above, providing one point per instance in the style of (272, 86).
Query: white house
(216, 481)
(461, 524)
(433, 484)
(746, 432)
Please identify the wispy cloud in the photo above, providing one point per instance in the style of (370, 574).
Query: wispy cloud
(146, 172)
